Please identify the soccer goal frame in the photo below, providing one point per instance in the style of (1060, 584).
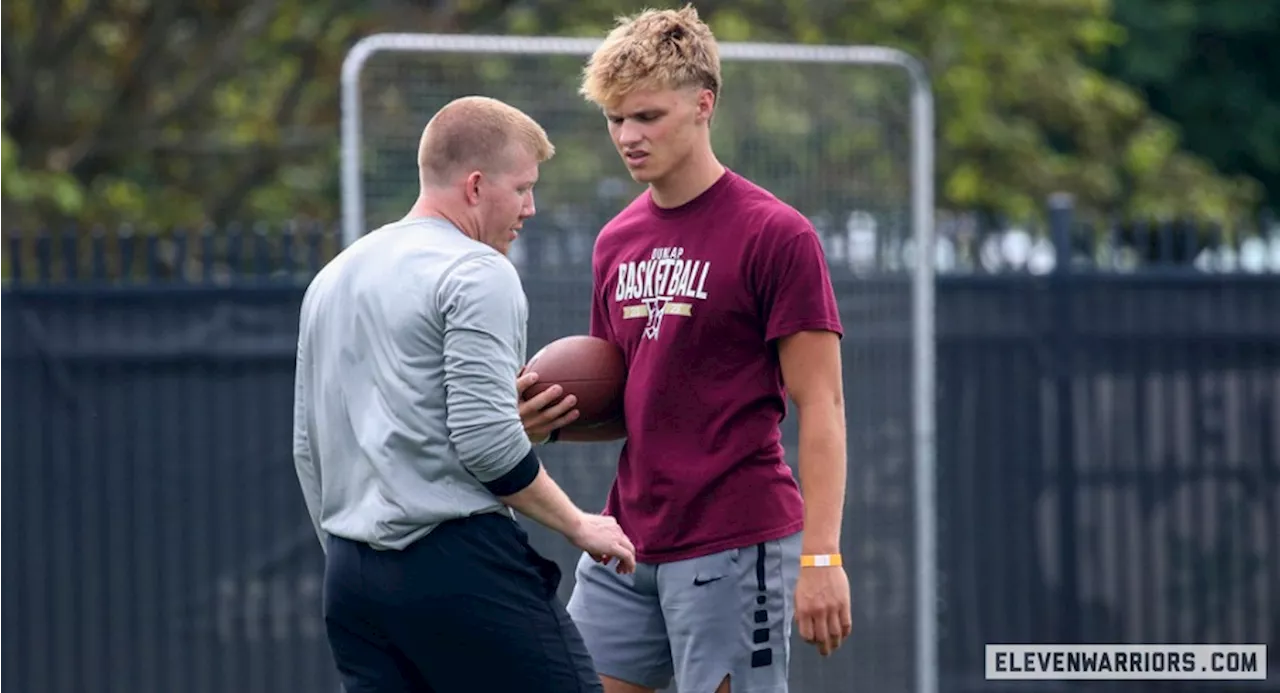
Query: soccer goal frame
(922, 207)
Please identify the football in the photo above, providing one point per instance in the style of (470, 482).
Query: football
(591, 369)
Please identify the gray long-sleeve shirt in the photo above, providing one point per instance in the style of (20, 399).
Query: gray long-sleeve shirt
(405, 410)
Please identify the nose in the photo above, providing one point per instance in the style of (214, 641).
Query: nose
(529, 208)
(628, 133)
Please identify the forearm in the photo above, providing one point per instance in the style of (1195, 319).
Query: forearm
(481, 411)
(823, 471)
(546, 503)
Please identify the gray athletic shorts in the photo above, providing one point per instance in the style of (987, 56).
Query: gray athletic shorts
(698, 620)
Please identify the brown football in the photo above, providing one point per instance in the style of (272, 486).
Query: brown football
(589, 368)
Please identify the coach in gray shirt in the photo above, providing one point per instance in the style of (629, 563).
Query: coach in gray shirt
(408, 441)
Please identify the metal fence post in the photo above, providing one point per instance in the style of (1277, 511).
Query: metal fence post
(1061, 283)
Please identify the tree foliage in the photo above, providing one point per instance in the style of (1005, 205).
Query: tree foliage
(168, 112)
(1021, 112)
(1214, 68)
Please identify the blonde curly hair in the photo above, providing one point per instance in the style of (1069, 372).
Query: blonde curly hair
(655, 49)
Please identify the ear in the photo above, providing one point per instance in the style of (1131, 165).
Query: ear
(706, 105)
(471, 188)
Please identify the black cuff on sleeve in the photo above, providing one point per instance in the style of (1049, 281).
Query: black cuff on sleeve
(515, 480)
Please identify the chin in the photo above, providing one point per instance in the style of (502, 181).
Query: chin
(643, 175)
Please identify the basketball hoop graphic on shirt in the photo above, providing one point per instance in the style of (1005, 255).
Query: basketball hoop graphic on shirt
(653, 310)
(656, 307)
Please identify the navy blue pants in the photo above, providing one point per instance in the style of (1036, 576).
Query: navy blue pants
(472, 608)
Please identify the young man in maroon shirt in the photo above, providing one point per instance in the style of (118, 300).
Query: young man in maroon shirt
(719, 296)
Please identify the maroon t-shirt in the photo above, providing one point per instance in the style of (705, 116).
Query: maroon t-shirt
(695, 297)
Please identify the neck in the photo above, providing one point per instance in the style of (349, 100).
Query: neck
(687, 181)
(427, 207)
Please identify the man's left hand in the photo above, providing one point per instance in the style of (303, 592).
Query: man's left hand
(823, 612)
(546, 411)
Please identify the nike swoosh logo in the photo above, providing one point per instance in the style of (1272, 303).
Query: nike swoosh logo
(699, 582)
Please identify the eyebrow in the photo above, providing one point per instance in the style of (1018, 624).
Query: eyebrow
(652, 112)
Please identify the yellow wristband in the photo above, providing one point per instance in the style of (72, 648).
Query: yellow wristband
(821, 560)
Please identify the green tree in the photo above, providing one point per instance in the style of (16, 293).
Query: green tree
(168, 112)
(1022, 111)
(1214, 69)
(173, 112)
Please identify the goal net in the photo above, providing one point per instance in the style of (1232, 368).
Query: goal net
(843, 135)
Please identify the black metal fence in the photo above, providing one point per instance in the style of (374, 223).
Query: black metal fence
(1108, 455)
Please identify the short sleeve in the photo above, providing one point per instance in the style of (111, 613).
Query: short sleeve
(792, 280)
(598, 326)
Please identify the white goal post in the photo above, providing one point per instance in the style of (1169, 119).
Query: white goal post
(918, 258)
